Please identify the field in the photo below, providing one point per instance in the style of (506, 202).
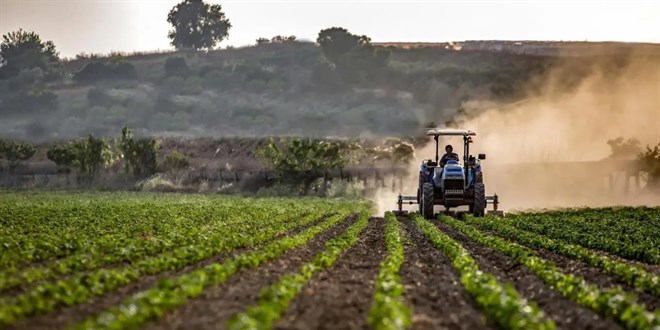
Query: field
(154, 261)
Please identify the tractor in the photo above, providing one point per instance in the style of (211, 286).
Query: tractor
(452, 184)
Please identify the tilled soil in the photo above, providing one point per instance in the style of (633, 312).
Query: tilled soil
(340, 297)
(433, 287)
(213, 308)
(592, 274)
(597, 276)
(565, 313)
(78, 313)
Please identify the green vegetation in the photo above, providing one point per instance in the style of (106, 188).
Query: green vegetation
(500, 302)
(275, 299)
(389, 310)
(628, 232)
(170, 293)
(608, 303)
(22, 50)
(16, 152)
(195, 228)
(634, 275)
(197, 25)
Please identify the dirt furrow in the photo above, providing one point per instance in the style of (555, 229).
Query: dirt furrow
(340, 297)
(596, 276)
(565, 313)
(216, 305)
(77, 313)
(433, 286)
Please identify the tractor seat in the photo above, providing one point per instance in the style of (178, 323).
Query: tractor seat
(431, 163)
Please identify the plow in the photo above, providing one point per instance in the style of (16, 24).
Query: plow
(448, 183)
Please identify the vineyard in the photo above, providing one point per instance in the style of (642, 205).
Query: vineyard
(166, 261)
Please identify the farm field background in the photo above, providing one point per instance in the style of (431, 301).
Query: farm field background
(165, 261)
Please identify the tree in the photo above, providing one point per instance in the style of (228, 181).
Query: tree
(139, 155)
(624, 149)
(336, 42)
(649, 162)
(87, 155)
(21, 50)
(302, 160)
(197, 25)
(15, 152)
(353, 56)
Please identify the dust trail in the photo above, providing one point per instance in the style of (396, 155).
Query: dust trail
(534, 146)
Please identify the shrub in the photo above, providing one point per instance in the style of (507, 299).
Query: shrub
(139, 155)
(87, 155)
(176, 66)
(175, 161)
(35, 100)
(16, 152)
(96, 71)
(97, 96)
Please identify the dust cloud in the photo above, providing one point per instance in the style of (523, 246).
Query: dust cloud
(542, 152)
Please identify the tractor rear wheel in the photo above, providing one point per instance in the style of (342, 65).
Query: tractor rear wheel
(427, 200)
(478, 208)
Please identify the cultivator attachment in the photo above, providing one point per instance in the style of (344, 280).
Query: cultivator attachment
(410, 200)
(494, 200)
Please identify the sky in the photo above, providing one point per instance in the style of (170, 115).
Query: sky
(102, 26)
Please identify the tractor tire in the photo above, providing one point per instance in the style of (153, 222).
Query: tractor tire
(427, 200)
(478, 208)
(422, 180)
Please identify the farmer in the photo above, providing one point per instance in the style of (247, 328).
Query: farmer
(449, 155)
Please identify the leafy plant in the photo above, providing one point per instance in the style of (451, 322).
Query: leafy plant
(608, 303)
(389, 310)
(15, 152)
(500, 302)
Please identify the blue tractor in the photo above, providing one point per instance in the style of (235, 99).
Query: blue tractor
(451, 184)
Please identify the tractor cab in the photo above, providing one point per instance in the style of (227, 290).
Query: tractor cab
(453, 183)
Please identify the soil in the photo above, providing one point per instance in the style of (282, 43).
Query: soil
(433, 287)
(598, 277)
(78, 313)
(340, 297)
(565, 313)
(213, 308)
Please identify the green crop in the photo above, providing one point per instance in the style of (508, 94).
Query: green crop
(172, 292)
(500, 302)
(275, 299)
(633, 275)
(389, 310)
(631, 233)
(613, 302)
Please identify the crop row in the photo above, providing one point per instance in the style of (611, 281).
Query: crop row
(135, 250)
(612, 302)
(173, 292)
(80, 287)
(630, 233)
(633, 275)
(389, 311)
(36, 233)
(500, 302)
(274, 300)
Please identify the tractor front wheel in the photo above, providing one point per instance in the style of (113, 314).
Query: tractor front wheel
(478, 209)
(427, 200)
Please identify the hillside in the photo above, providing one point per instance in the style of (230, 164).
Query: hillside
(269, 89)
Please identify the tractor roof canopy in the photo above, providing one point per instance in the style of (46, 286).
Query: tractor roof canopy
(450, 131)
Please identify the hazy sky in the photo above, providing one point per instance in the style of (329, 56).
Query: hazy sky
(102, 26)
